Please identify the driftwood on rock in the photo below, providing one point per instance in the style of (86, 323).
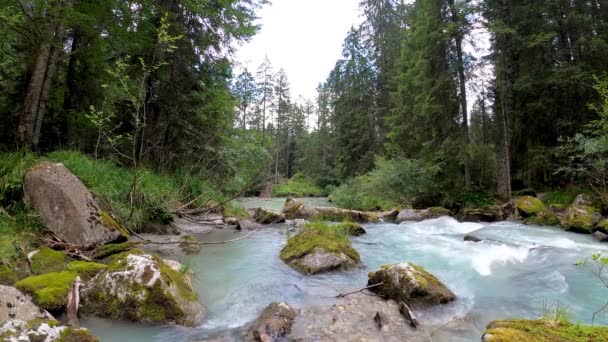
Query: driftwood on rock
(73, 303)
(408, 314)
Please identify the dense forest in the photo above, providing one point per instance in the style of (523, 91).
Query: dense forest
(414, 109)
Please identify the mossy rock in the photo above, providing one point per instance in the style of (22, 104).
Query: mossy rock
(545, 217)
(603, 226)
(86, 270)
(143, 288)
(580, 219)
(49, 290)
(43, 329)
(76, 335)
(434, 212)
(528, 206)
(558, 207)
(320, 248)
(541, 330)
(409, 283)
(485, 214)
(110, 222)
(351, 228)
(47, 260)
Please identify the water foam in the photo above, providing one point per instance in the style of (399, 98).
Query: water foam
(491, 255)
(442, 225)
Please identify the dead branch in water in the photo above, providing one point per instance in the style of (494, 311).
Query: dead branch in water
(342, 295)
(408, 314)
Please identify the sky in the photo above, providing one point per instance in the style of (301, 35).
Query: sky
(304, 37)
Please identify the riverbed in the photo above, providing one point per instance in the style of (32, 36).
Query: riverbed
(516, 271)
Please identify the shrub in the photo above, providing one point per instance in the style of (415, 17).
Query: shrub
(299, 186)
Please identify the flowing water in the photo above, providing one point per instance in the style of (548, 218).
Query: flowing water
(517, 271)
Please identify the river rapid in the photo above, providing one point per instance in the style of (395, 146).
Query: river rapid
(516, 271)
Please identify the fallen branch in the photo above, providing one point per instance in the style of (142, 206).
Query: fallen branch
(408, 314)
(71, 250)
(73, 303)
(342, 295)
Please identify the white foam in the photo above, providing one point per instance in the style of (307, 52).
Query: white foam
(442, 225)
(490, 256)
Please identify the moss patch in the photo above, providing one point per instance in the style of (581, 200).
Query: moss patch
(109, 222)
(86, 270)
(115, 248)
(603, 226)
(76, 335)
(177, 279)
(49, 290)
(545, 217)
(520, 330)
(47, 260)
(528, 206)
(580, 219)
(7, 275)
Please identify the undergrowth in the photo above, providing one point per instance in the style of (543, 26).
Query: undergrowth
(298, 186)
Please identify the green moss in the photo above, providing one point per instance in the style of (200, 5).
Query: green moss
(558, 207)
(318, 235)
(49, 290)
(177, 279)
(519, 330)
(47, 260)
(603, 226)
(350, 228)
(35, 323)
(109, 222)
(236, 211)
(528, 206)
(76, 335)
(159, 306)
(115, 248)
(545, 217)
(8, 276)
(579, 219)
(86, 270)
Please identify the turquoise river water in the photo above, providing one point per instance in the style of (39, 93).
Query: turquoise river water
(516, 272)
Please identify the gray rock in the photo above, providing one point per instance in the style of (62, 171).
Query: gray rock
(486, 214)
(581, 200)
(41, 330)
(472, 238)
(273, 324)
(320, 260)
(14, 305)
(601, 237)
(67, 208)
(409, 283)
(248, 225)
(294, 210)
(147, 289)
(406, 215)
(264, 216)
(389, 215)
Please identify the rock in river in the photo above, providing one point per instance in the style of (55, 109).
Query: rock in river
(264, 216)
(42, 330)
(315, 250)
(67, 208)
(601, 237)
(297, 210)
(273, 324)
(248, 225)
(411, 284)
(142, 287)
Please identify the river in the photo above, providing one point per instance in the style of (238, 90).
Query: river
(517, 271)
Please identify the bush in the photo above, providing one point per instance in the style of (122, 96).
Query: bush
(299, 186)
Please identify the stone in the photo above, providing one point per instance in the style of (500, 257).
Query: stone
(351, 228)
(582, 199)
(491, 213)
(42, 330)
(248, 225)
(527, 206)
(300, 223)
(472, 238)
(581, 219)
(294, 210)
(67, 208)
(410, 215)
(143, 288)
(273, 324)
(16, 305)
(389, 215)
(265, 216)
(601, 237)
(411, 284)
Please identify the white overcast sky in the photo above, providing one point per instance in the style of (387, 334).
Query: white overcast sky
(304, 37)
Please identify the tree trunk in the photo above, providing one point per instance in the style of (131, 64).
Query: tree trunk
(44, 95)
(504, 162)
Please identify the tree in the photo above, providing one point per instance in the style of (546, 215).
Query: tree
(265, 81)
(245, 92)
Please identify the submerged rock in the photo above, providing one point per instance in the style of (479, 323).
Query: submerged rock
(42, 330)
(142, 287)
(294, 210)
(264, 216)
(601, 237)
(409, 283)
(273, 324)
(321, 250)
(472, 238)
(16, 305)
(67, 208)
(521, 330)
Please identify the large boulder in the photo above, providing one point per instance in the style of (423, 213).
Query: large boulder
(273, 324)
(319, 249)
(527, 206)
(491, 213)
(67, 208)
(581, 219)
(248, 225)
(264, 216)
(414, 215)
(298, 210)
(144, 288)
(389, 215)
(522, 330)
(16, 305)
(43, 330)
(409, 283)
(601, 237)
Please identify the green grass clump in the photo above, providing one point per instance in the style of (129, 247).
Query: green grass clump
(47, 260)
(48, 290)
(318, 235)
(564, 196)
(542, 330)
(13, 167)
(18, 234)
(350, 228)
(298, 186)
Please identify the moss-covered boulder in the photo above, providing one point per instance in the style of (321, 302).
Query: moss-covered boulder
(434, 212)
(580, 219)
(602, 226)
(409, 283)
(46, 260)
(264, 216)
(114, 248)
(351, 228)
(50, 290)
(541, 330)
(297, 210)
(527, 206)
(485, 214)
(142, 287)
(545, 217)
(320, 248)
(47, 330)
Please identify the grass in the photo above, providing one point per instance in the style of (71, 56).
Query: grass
(542, 330)
(298, 186)
(564, 196)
